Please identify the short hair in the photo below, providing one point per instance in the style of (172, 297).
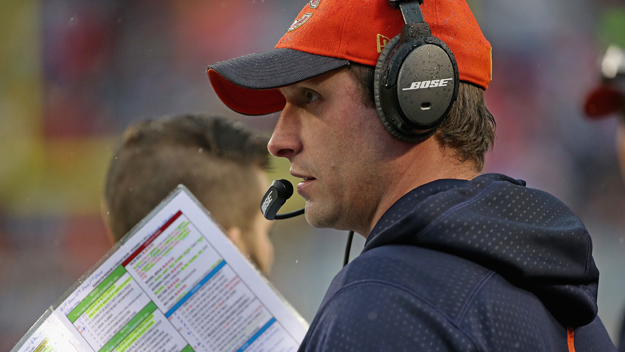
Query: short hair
(215, 158)
(469, 128)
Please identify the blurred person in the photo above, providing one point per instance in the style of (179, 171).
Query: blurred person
(218, 160)
(389, 137)
(608, 100)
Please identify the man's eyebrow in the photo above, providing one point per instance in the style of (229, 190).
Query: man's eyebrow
(314, 81)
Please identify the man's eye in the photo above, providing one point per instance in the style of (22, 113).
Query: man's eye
(311, 96)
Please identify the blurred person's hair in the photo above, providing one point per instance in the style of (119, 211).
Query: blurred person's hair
(470, 127)
(217, 159)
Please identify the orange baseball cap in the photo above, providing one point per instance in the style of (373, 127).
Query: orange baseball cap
(328, 34)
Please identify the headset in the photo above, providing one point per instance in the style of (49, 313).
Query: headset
(415, 85)
(416, 78)
(277, 193)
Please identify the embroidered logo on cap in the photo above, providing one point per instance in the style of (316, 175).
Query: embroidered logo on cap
(314, 3)
(300, 21)
(382, 41)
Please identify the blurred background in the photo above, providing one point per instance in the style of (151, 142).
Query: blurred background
(75, 73)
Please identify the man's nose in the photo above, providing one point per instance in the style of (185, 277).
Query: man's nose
(285, 141)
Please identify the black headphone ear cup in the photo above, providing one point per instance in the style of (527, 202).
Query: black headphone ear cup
(383, 100)
(415, 85)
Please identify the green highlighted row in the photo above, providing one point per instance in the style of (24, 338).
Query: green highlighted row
(105, 298)
(96, 293)
(183, 234)
(183, 225)
(183, 231)
(130, 327)
(136, 334)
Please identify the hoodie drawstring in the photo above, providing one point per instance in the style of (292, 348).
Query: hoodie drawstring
(570, 337)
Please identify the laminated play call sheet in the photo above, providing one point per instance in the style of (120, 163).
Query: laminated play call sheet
(174, 283)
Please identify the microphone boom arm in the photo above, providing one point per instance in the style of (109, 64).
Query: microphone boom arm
(289, 215)
(274, 198)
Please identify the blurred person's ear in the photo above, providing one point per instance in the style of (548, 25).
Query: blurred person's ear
(104, 212)
(236, 236)
(255, 244)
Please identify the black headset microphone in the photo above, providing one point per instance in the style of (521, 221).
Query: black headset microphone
(415, 85)
(274, 199)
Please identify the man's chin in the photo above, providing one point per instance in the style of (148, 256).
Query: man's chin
(319, 217)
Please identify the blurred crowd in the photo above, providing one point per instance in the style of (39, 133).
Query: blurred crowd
(76, 73)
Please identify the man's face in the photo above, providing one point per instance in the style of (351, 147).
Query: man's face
(339, 148)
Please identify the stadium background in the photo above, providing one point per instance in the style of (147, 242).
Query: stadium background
(75, 73)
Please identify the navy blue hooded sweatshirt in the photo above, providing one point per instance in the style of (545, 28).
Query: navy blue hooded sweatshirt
(480, 265)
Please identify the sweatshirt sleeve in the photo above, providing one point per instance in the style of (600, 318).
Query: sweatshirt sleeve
(376, 316)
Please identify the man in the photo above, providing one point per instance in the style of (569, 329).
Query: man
(453, 260)
(608, 99)
(221, 163)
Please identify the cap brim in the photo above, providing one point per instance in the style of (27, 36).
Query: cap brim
(603, 101)
(249, 84)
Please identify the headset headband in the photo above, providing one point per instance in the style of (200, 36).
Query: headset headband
(410, 10)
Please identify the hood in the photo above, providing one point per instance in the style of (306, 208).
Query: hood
(526, 235)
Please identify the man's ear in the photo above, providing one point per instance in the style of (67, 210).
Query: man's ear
(236, 236)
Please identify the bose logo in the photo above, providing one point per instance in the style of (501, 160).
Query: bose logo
(429, 84)
(266, 203)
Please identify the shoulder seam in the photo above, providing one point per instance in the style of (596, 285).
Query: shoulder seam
(473, 294)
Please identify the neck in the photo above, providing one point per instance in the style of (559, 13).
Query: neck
(426, 162)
